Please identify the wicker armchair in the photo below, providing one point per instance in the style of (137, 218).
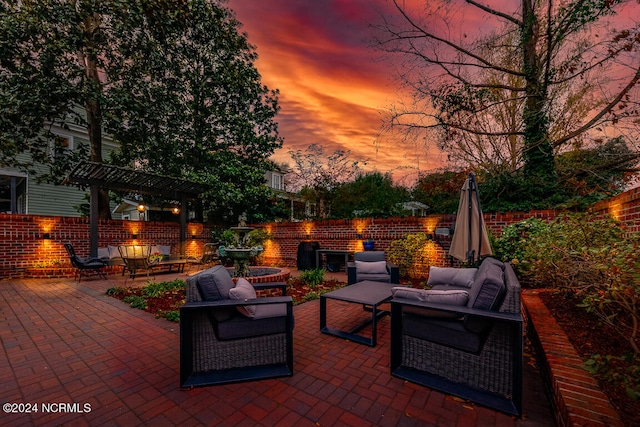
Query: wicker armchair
(472, 353)
(219, 345)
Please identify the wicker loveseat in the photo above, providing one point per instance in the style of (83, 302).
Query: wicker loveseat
(228, 335)
(464, 336)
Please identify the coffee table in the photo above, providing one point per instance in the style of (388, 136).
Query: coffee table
(367, 293)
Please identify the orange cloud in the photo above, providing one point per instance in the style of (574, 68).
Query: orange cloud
(334, 88)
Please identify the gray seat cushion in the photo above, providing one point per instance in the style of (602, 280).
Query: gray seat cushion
(269, 319)
(459, 277)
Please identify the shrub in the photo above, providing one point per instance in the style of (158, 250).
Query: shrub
(173, 316)
(512, 243)
(597, 259)
(408, 253)
(136, 301)
(153, 290)
(312, 277)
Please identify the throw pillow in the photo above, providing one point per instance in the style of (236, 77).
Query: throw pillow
(244, 291)
(371, 267)
(461, 277)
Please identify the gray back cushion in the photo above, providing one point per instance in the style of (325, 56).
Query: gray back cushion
(214, 283)
(459, 277)
(486, 293)
(488, 286)
(369, 256)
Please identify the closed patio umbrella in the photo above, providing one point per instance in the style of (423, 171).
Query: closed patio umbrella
(470, 239)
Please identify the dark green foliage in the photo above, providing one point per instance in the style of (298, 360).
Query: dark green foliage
(154, 290)
(370, 195)
(136, 301)
(585, 176)
(172, 316)
(440, 190)
(595, 258)
(173, 83)
(515, 192)
(597, 173)
(511, 244)
(624, 370)
(313, 277)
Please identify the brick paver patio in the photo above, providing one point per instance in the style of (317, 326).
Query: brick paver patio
(88, 359)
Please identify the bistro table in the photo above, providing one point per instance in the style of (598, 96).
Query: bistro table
(368, 293)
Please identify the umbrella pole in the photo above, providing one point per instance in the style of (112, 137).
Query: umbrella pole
(470, 254)
(480, 222)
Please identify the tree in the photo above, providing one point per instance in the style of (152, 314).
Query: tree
(49, 62)
(538, 65)
(317, 177)
(172, 81)
(440, 190)
(598, 172)
(372, 195)
(196, 98)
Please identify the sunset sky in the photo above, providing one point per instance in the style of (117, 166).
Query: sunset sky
(334, 88)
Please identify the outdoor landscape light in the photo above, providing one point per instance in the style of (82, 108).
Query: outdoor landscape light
(141, 207)
(46, 236)
(359, 236)
(134, 236)
(175, 210)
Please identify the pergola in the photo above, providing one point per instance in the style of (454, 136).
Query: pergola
(99, 175)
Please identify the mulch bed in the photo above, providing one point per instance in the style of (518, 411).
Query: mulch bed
(590, 336)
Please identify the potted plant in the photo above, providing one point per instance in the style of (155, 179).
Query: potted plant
(368, 245)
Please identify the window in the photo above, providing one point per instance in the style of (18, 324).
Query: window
(13, 194)
(60, 145)
(276, 181)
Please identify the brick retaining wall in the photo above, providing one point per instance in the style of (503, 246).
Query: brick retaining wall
(23, 251)
(576, 396)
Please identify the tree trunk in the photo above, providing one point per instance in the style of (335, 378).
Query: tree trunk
(94, 113)
(539, 165)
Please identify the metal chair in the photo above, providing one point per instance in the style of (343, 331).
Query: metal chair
(137, 257)
(209, 256)
(85, 265)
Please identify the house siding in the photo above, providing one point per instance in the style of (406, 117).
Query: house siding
(59, 200)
